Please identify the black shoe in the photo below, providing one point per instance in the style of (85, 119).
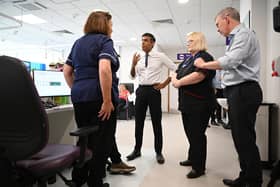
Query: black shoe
(214, 123)
(160, 158)
(221, 122)
(227, 126)
(133, 155)
(106, 184)
(194, 174)
(185, 163)
(234, 183)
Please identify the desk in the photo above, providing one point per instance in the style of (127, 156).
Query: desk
(61, 122)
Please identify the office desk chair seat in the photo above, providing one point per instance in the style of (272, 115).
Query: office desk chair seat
(52, 159)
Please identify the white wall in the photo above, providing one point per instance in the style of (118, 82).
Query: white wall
(126, 54)
(33, 53)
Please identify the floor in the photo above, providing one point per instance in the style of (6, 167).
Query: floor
(222, 159)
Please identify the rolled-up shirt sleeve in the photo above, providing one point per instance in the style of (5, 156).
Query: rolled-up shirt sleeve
(238, 50)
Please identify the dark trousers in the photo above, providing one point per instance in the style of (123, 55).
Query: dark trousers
(115, 155)
(195, 123)
(148, 96)
(217, 112)
(244, 100)
(86, 114)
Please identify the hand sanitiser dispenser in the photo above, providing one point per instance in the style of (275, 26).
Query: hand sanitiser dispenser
(276, 67)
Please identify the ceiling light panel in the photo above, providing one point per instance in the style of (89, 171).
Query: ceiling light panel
(63, 1)
(183, 1)
(30, 18)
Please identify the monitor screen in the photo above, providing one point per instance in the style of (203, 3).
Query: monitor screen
(50, 83)
(27, 64)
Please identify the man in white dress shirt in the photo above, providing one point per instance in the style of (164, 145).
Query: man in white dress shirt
(147, 66)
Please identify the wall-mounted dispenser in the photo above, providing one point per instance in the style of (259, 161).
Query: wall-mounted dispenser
(276, 67)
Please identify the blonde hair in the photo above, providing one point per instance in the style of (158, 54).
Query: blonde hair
(199, 41)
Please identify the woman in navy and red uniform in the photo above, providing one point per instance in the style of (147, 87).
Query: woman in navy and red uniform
(196, 101)
(90, 72)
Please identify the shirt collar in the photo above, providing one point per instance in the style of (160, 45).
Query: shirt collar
(151, 53)
(236, 29)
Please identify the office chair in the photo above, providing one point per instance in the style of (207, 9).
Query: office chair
(24, 131)
(126, 108)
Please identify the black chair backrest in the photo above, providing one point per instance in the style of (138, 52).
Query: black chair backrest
(23, 120)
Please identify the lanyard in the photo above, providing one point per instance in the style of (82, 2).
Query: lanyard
(190, 59)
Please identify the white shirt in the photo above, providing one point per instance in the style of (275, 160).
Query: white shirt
(152, 73)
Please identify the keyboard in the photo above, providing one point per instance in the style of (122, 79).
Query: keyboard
(48, 105)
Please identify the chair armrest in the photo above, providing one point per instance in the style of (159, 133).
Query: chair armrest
(83, 134)
(84, 131)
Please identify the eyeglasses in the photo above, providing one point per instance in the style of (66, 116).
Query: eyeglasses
(190, 41)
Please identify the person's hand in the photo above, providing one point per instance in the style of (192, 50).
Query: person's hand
(199, 62)
(159, 86)
(135, 59)
(105, 111)
(174, 80)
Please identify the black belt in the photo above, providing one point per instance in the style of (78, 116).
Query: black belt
(146, 85)
(243, 83)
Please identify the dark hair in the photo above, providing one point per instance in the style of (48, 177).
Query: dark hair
(149, 35)
(231, 12)
(98, 22)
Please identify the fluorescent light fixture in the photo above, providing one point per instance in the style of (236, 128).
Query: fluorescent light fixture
(29, 18)
(133, 39)
(183, 1)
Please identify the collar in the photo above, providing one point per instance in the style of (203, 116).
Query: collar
(236, 29)
(151, 53)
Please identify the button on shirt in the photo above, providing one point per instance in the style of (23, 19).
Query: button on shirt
(241, 62)
(152, 73)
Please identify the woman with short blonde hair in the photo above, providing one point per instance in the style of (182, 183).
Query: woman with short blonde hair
(196, 101)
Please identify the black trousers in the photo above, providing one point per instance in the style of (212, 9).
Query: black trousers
(86, 114)
(115, 155)
(217, 112)
(148, 96)
(195, 122)
(244, 100)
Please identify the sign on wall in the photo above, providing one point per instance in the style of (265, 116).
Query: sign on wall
(182, 56)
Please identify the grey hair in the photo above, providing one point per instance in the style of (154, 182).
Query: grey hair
(231, 12)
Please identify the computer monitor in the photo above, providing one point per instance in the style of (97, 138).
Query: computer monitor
(50, 83)
(28, 66)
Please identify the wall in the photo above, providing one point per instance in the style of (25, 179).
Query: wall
(32, 53)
